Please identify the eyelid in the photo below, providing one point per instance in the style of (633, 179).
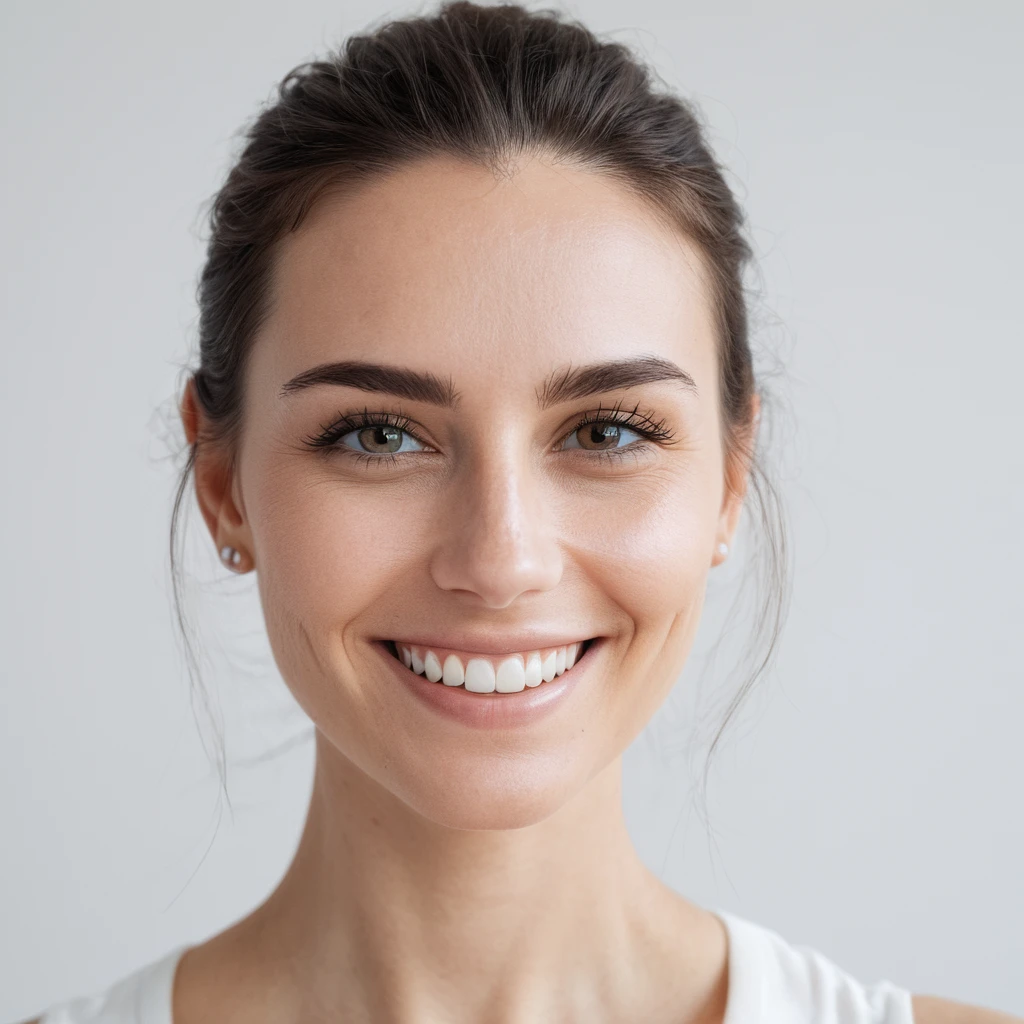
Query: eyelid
(344, 423)
(651, 429)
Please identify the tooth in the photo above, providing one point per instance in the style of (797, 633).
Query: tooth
(453, 672)
(511, 676)
(548, 667)
(533, 669)
(560, 661)
(480, 676)
(432, 667)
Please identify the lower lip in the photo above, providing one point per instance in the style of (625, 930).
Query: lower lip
(492, 710)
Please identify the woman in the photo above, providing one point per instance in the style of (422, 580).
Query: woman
(475, 396)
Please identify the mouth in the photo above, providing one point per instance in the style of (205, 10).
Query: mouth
(483, 673)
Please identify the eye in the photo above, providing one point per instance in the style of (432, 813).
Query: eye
(380, 439)
(601, 435)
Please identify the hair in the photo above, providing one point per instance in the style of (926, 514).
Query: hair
(485, 84)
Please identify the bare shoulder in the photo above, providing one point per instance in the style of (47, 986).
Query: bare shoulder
(932, 1010)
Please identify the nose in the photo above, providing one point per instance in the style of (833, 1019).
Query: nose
(499, 538)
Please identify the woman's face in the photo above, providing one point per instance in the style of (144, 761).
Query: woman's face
(458, 486)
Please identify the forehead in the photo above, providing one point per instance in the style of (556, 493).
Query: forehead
(440, 262)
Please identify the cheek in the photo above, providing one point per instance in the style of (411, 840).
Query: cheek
(649, 557)
(330, 557)
(330, 549)
(649, 550)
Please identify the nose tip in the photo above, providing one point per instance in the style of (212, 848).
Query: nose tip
(499, 542)
(497, 567)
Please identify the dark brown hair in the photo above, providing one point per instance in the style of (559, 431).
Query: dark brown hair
(485, 84)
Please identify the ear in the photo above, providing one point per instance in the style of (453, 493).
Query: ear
(215, 482)
(737, 478)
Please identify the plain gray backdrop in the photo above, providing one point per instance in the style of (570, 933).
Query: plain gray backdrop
(867, 803)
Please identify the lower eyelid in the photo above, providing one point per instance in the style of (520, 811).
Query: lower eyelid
(634, 450)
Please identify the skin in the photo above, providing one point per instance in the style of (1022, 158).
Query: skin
(449, 873)
(431, 846)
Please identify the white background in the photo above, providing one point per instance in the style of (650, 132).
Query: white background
(869, 801)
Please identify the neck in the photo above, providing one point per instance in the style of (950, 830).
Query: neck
(386, 915)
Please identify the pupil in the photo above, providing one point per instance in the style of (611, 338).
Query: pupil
(604, 435)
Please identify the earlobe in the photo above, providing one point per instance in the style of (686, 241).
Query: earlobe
(738, 466)
(232, 558)
(213, 479)
(737, 477)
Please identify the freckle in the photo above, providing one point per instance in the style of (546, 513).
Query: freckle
(374, 820)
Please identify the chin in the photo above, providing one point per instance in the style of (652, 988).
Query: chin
(511, 792)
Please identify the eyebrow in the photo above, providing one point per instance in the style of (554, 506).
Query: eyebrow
(596, 378)
(388, 380)
(563, 385)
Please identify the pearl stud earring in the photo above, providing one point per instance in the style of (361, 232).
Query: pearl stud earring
(231, 556)
(723, 549)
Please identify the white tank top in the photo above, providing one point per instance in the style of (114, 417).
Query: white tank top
(770, 982)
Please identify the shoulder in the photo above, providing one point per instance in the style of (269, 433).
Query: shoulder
(800, 983)
(773, 979)
(142, 995)
(932, 1010)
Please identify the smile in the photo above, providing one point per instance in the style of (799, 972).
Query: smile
(480, 673)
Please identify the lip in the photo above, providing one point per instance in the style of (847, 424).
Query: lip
(491, 710)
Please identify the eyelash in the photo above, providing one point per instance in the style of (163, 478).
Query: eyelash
(649, 428)
(330, 434)
(653, 431)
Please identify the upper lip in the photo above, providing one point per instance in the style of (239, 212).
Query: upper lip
(493, 642)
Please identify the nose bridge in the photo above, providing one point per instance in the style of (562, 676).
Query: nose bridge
(500, 540)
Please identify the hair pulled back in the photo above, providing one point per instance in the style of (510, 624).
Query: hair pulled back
(486, 84)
